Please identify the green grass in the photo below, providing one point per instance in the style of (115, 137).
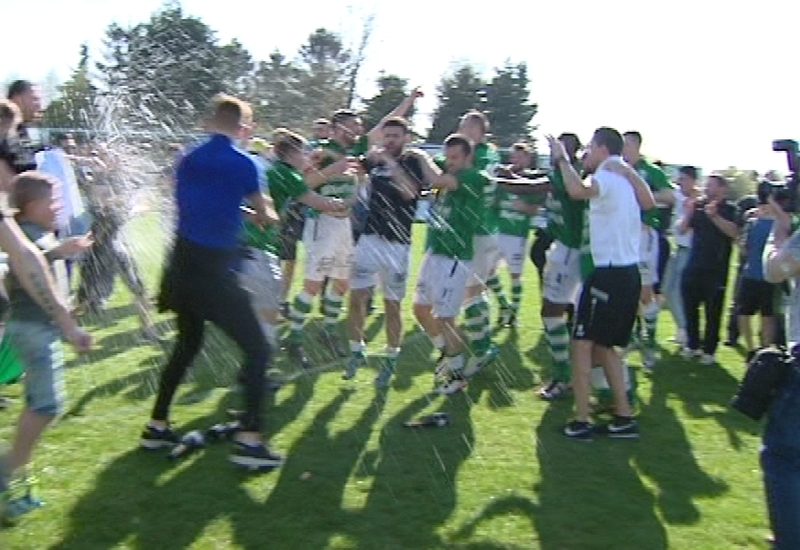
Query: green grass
(500, 476)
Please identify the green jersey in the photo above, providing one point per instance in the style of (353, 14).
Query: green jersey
(284, 184)
(657, 180)
(456, 216)
(487, 158)
(512, 221)
(565, 215)
(340, 186)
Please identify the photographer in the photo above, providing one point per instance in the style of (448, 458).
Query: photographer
(780, 453)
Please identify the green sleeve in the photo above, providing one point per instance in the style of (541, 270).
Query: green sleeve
(295, 186)
(658, 179)
(439, 160)
(474, 205)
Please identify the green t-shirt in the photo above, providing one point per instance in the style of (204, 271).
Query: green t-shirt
(456, 216)
(511, 221)
(486, 157)
(657, 180)
(284, 184)
(341, 186)
(565, 215)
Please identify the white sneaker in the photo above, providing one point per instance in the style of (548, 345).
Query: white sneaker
(452, 385)
(680, 337)
(707, 359)
(688, 353)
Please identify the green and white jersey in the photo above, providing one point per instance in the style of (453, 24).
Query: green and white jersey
(512, 221)
(341, 186)
(565, 215)
(486, 158)
(285, 183)
(657, 180)
(456, 215)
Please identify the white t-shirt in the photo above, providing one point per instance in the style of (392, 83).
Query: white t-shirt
(681, 239)
(614, 220)
(55, 163)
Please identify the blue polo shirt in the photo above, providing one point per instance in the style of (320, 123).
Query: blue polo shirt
(211, 183)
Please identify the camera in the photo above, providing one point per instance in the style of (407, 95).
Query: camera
(767, 372)
(778, 190)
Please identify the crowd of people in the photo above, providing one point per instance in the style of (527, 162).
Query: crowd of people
(621, 242)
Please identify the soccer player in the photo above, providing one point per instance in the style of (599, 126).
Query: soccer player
(383, 250)
(198, 283)
(649, 242)
(474, 126)
(609, 299)
(445, 271)
(514, 224)
(260, 272)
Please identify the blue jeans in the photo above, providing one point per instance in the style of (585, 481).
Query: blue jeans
(780, 462)
(671, 287)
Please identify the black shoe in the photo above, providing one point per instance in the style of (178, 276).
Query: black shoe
(621, 427)
(269, 384)
(254, 457)
(582, 431)
(154, 439)
(285, 310)
(295, 352)
(335, 343)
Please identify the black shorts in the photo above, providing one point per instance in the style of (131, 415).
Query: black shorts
(756, 296)
(608, 306)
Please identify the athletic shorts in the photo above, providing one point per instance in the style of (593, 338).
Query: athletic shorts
(40, 351)
(260, 274)
(562, 274)
(512, 250)
(484, 260)
(608, 306)
(648, 256)
(328, 243)
(756, 296)
(378, 259)
(442, 283)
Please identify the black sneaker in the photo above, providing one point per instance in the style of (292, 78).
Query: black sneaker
(335, 343)
(254, 457)
(295, 352)
(621, 427)
(153, 438)
(581, 431)
(285, 310)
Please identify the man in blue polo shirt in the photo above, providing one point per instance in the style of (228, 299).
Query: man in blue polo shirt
(199, 283)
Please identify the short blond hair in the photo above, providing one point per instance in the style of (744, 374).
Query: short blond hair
(231, 113)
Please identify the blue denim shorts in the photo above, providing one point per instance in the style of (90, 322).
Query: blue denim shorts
(39, 348)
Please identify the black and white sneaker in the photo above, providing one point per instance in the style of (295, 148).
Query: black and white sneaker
(621, 427)
(153, 438)
(254, 457)
(581, 431)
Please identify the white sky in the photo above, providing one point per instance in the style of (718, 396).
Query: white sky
(705, 81)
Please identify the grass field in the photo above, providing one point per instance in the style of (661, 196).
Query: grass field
(500, 476)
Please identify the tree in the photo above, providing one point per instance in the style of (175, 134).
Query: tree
(741, 182)
(358, 58)
(456, 94)
(391, 91)
(277, 94)
(75, 106)
(234, 67)
(508, 105)
(324, 65)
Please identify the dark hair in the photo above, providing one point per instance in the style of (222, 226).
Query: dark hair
(323, 122)
(343, 115)
(28, 187)
(633, 134)
(397, 122)
(689, 171)
(572, 143)
(522, 147)
(19, 87)
(719, 178)
(459, 140)
(608, 138)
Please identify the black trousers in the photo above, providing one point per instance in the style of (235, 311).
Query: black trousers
(664, 251)
(200, 285)
(733, 311)
(707, 288)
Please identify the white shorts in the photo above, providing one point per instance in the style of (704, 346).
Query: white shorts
(261, 276)
(648, 256)
(329, 250)
(377, 258)
(484, 260)
(512, 250)
(562, 274)
(441, 283)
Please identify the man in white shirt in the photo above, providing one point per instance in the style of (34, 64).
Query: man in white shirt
(687, 181)
(610, 297)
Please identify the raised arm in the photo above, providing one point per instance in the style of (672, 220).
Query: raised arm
(402, 109)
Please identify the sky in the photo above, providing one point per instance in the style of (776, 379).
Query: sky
(706, 82)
